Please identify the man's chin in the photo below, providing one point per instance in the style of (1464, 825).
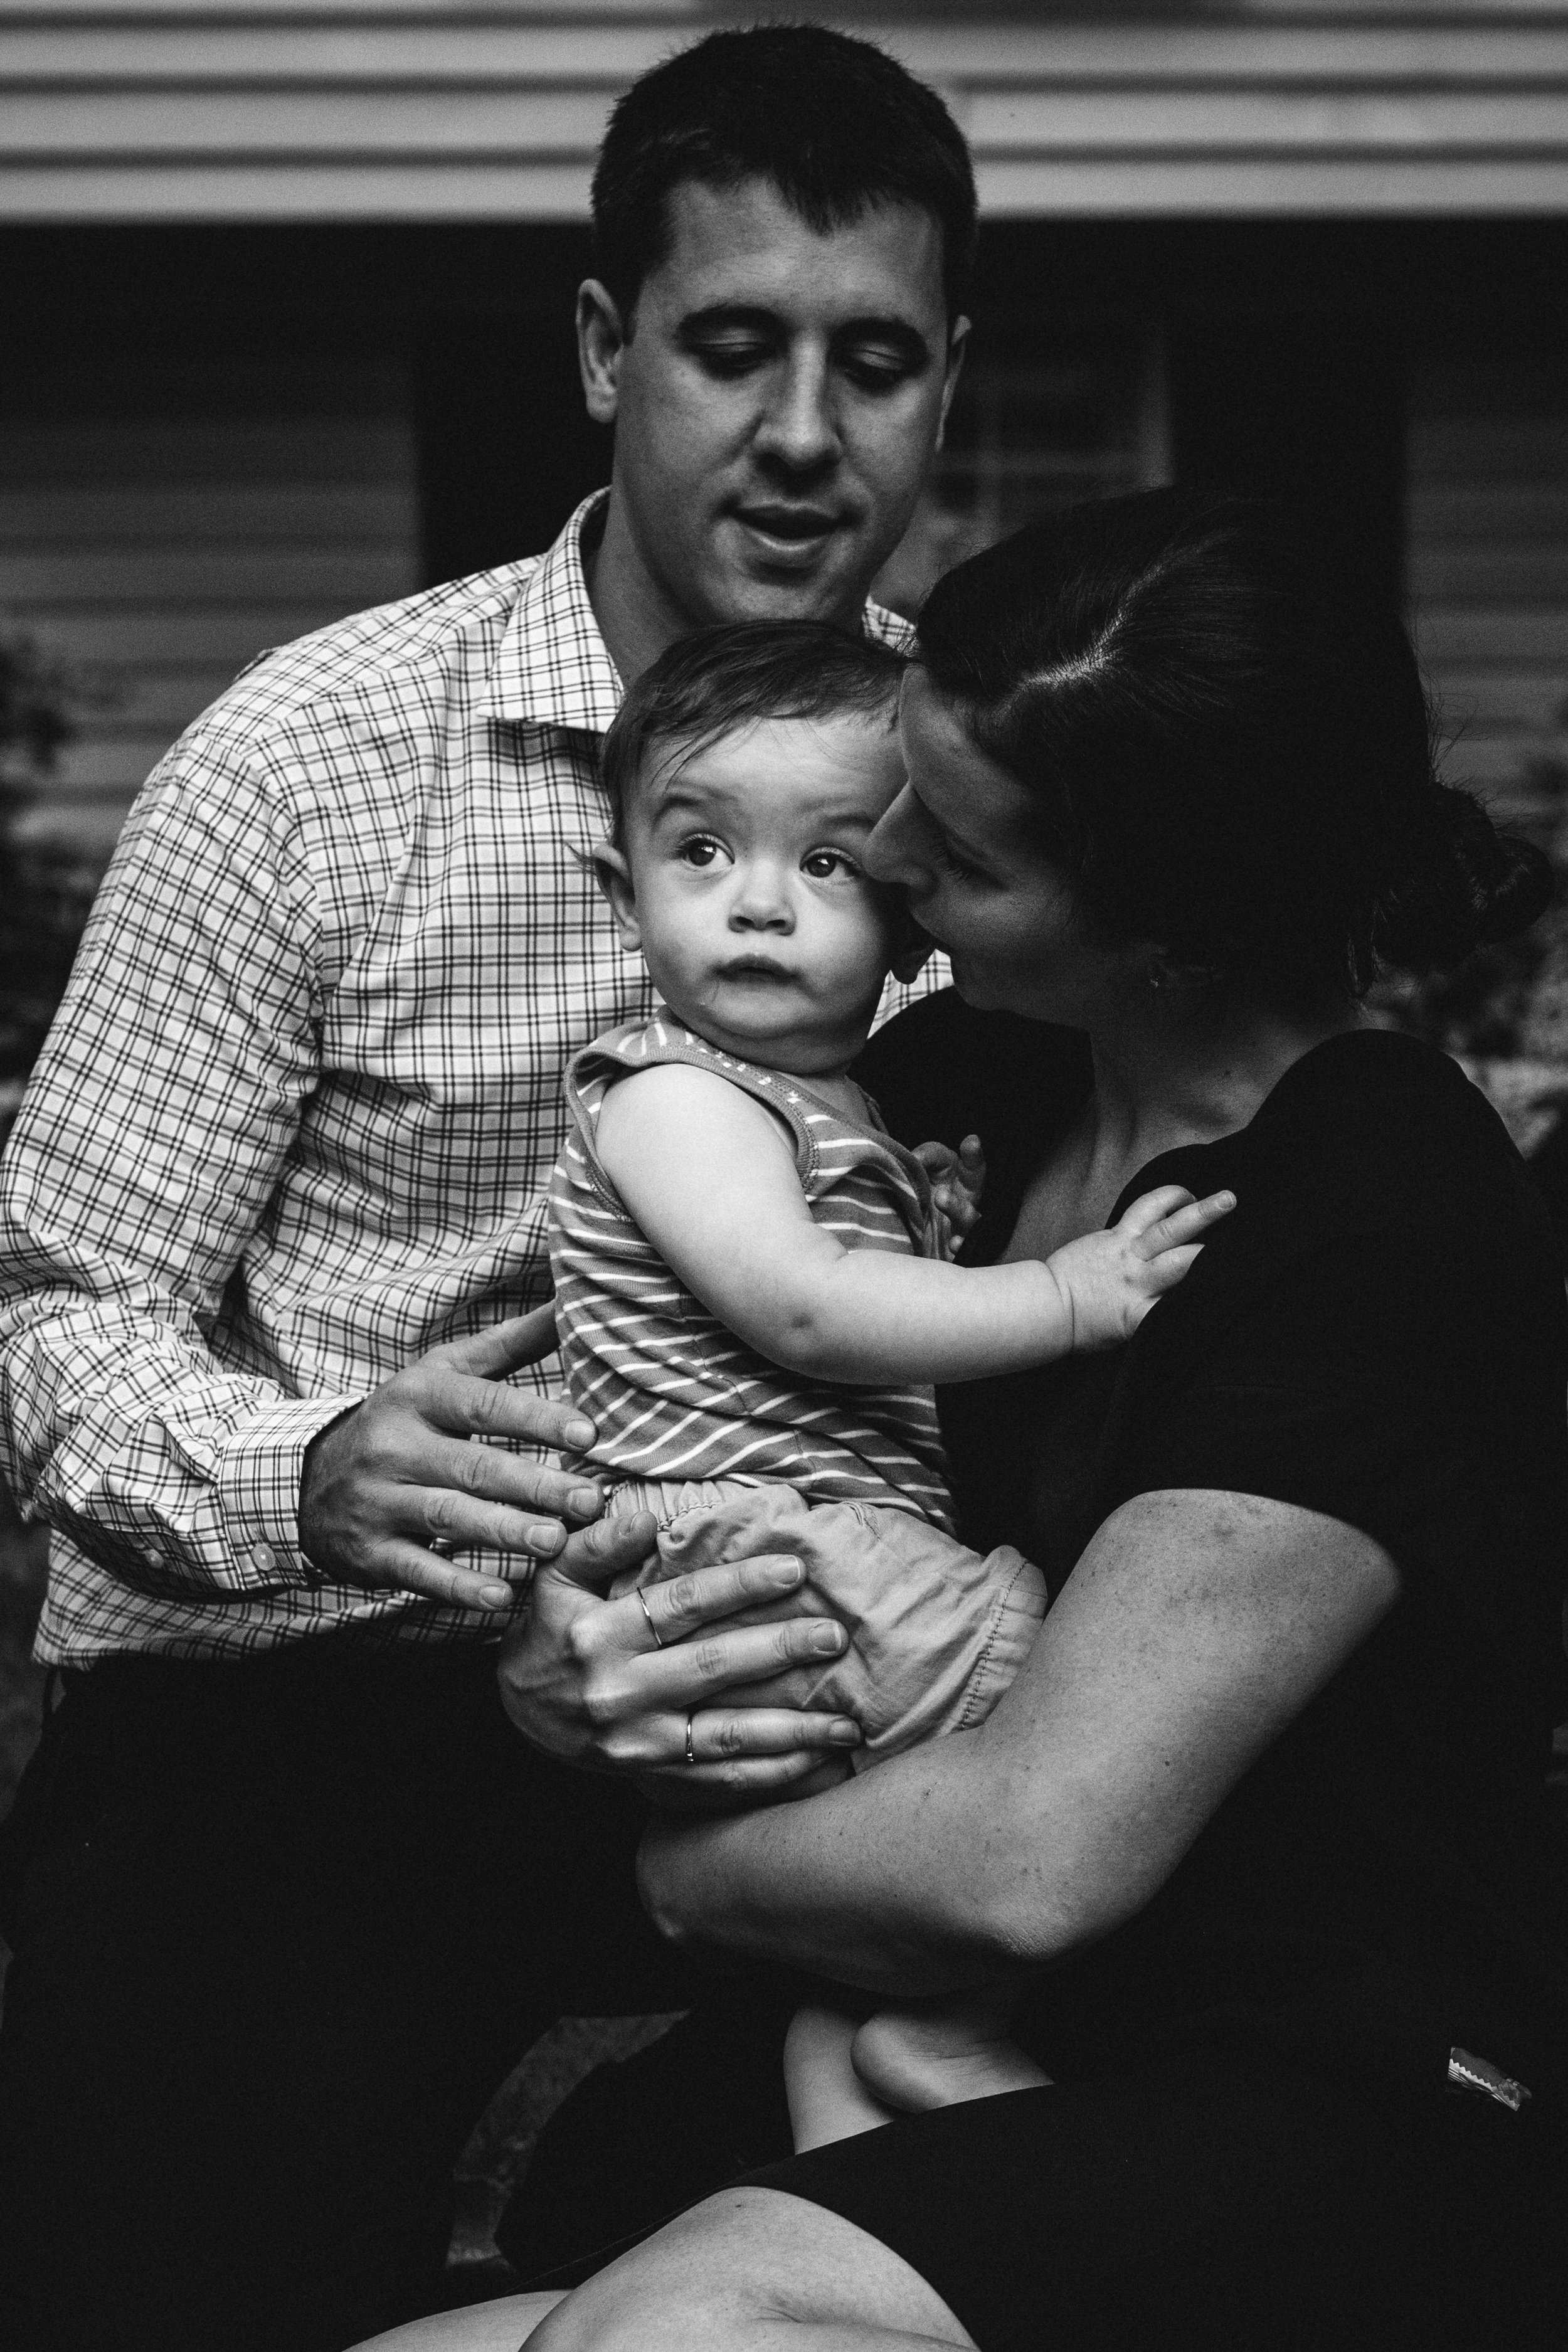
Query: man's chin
(753, 590)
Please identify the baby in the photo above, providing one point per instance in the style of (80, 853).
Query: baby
(753, 1285)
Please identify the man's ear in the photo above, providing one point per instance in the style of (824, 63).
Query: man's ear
(601, 339)
(957, 344)
(614, 876)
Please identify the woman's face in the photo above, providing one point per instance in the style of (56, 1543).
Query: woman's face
(958, 840)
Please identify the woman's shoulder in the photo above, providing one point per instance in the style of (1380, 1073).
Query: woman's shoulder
(1374, 1126)
(1383, 1214)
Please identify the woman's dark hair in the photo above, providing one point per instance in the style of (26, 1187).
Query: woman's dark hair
(835, 123)
(1226, 741)
(709, 685)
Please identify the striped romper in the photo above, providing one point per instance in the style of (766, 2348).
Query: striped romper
(734, 1454)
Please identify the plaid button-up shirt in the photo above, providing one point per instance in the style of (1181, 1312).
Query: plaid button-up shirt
(296, 1119)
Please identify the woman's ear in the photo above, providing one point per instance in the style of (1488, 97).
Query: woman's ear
(614, 876)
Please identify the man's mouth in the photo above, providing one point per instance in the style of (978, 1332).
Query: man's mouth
(801, 528)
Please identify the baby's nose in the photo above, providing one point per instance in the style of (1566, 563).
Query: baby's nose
(762, 900)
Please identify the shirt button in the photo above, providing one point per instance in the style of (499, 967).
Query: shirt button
(263, 1557)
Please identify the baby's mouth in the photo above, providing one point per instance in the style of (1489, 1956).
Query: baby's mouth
(755, 968)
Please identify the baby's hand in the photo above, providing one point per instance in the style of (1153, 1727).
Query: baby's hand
(1112, 1279)
(957, 1180)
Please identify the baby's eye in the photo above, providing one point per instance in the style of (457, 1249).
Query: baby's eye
(700, 851)
(822, 865)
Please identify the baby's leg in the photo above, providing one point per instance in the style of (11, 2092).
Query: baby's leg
(828, 2100)
(940, 2055)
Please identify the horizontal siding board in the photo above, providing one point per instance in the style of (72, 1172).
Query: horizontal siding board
(157, 553)
(1523, 571)
(291, 41)
(1488, 568)
(1481, 510)
(186, 451)
(1263, 121)
(283, 189)
(205, 574)
(100, 766)
(179, 633)
(377, 513)
(1522, 701)
(147, 700)
(503, 123)
(252, 109)
(1460, 632)
(294, 122)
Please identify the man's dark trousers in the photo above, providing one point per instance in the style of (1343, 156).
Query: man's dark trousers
(280, 1928)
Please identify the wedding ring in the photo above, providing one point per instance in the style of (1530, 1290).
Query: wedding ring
(691, 1749)
(648, 1613)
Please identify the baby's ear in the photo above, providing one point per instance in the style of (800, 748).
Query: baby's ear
(614, 876)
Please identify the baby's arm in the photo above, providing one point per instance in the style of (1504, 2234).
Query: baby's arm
(710, 1176)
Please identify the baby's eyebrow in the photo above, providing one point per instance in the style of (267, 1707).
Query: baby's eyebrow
(679, 800)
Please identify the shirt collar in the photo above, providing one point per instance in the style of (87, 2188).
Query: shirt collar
(553, 667)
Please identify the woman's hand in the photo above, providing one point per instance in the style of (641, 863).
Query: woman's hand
(637, 1684)
(1194, 1629)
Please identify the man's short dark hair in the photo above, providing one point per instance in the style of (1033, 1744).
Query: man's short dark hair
(835, 123)
(709, 685)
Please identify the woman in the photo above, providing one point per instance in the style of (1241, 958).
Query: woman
(1258, 1833)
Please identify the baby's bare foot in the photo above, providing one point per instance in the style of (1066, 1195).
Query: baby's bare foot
(915, 2059)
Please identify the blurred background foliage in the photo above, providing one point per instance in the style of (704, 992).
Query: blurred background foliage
(44, 889)
(1503, 1014)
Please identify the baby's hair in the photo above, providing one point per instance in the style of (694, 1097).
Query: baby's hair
(708, 686)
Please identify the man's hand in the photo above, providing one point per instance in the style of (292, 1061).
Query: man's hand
(397, 1482)
(632, 1685)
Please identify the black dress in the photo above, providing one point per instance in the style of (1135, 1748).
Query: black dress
(1252, 2137)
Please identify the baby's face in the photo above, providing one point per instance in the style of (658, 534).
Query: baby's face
(745, 893)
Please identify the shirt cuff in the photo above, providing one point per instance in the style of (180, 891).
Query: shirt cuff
(258, 1487)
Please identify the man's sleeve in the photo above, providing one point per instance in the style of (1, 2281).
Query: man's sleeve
(149, 1142)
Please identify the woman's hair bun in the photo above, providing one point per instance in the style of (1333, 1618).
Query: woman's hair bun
(1470, 886)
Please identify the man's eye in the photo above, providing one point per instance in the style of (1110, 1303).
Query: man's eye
(956, 865)
(822, 865)
(875, 370)
(698, 851)
(731, 359)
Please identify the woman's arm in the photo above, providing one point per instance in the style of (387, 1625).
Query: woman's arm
(1194, 1628)
(710, 1176)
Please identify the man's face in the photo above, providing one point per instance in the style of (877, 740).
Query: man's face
(776, 405)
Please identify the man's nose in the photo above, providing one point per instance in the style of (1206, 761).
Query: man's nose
(799, 429)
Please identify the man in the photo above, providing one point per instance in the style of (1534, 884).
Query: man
(287, 1892)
